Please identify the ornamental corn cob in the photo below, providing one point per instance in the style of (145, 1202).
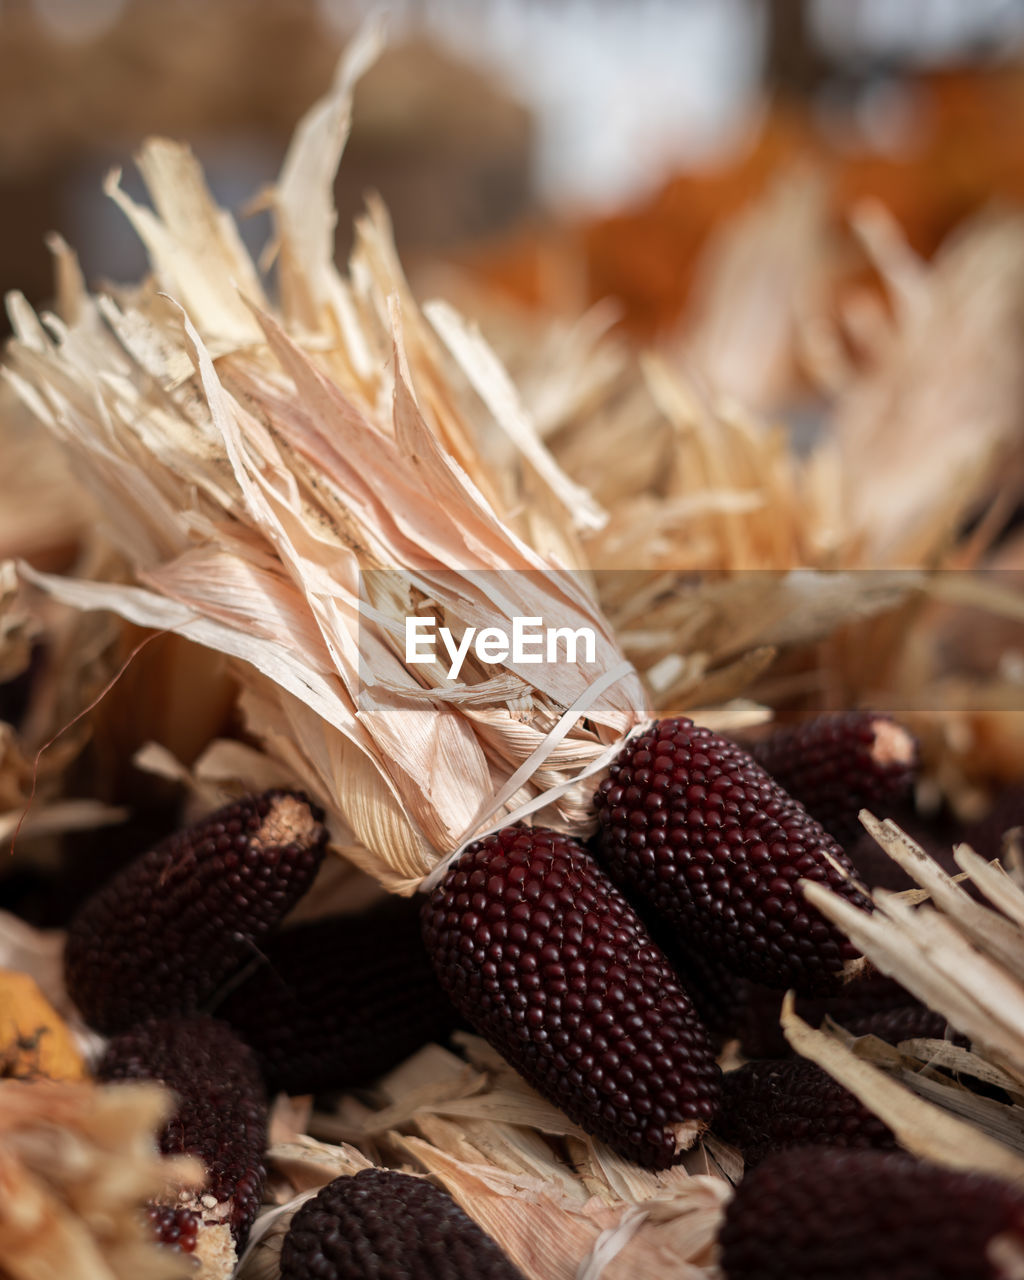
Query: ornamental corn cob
(383, 1225)
(221, 1116)
(836, 765)
(339, 1001)
(864, 1215)
(770, 1105)
(541, 953)
(712, 845)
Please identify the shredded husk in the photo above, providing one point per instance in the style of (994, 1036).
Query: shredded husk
(77, 1163)
(562, 1206)
(964, 958)
(261, 468)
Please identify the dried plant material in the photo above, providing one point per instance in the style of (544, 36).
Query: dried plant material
(478, 1129)
(924, 1129)
(35, 1042)
(46, 516)
(17, 628)
(250, 494)
(938, 413)
(37, 953)
(78, 1163)
(954, 958)
(756, 283)
(963, 955)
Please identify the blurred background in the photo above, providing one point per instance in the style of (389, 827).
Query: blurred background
(545, 144)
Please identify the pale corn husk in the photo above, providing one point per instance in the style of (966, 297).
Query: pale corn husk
(251, 494)
(476, 1128)
(964, 959)
(765, 275)
(77, 1163)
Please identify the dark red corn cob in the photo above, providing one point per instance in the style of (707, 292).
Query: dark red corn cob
(340, 1001)
(818, 1213)
(542, 954)
(837, 765)
(863, 1003)
(382, 1225)
(706, 840)
(174, 1227)
(909, 1022)
(770, 1106)
(163, 935)
(221, 1116)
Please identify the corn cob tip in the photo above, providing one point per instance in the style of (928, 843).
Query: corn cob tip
(291, 818)
(891, 744)
(163, 936)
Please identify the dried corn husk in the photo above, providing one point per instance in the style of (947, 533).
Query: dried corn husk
(77, 1163)
(963, 958)
(560, 1206)
(252, 468)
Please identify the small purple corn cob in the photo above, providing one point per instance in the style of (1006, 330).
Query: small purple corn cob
(770, 1106)
(382, 1225)
(221, 1115)
(163, 935)
(908, 1022)
(837, 765)
(706, 840)
(817, 1212)
(340, 1001)
(541, 953)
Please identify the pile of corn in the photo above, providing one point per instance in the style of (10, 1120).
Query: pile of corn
(483, 972)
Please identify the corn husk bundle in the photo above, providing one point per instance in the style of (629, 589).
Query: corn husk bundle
(259, 472)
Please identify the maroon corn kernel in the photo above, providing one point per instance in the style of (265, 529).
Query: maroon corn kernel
(541, 953)
(770, 1106)
(382, 1225)
(340, 1001)
(864, 1215)
(174, 1227)
(836, 765)
(163, 935)
(221, 1116)
(703, 837)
